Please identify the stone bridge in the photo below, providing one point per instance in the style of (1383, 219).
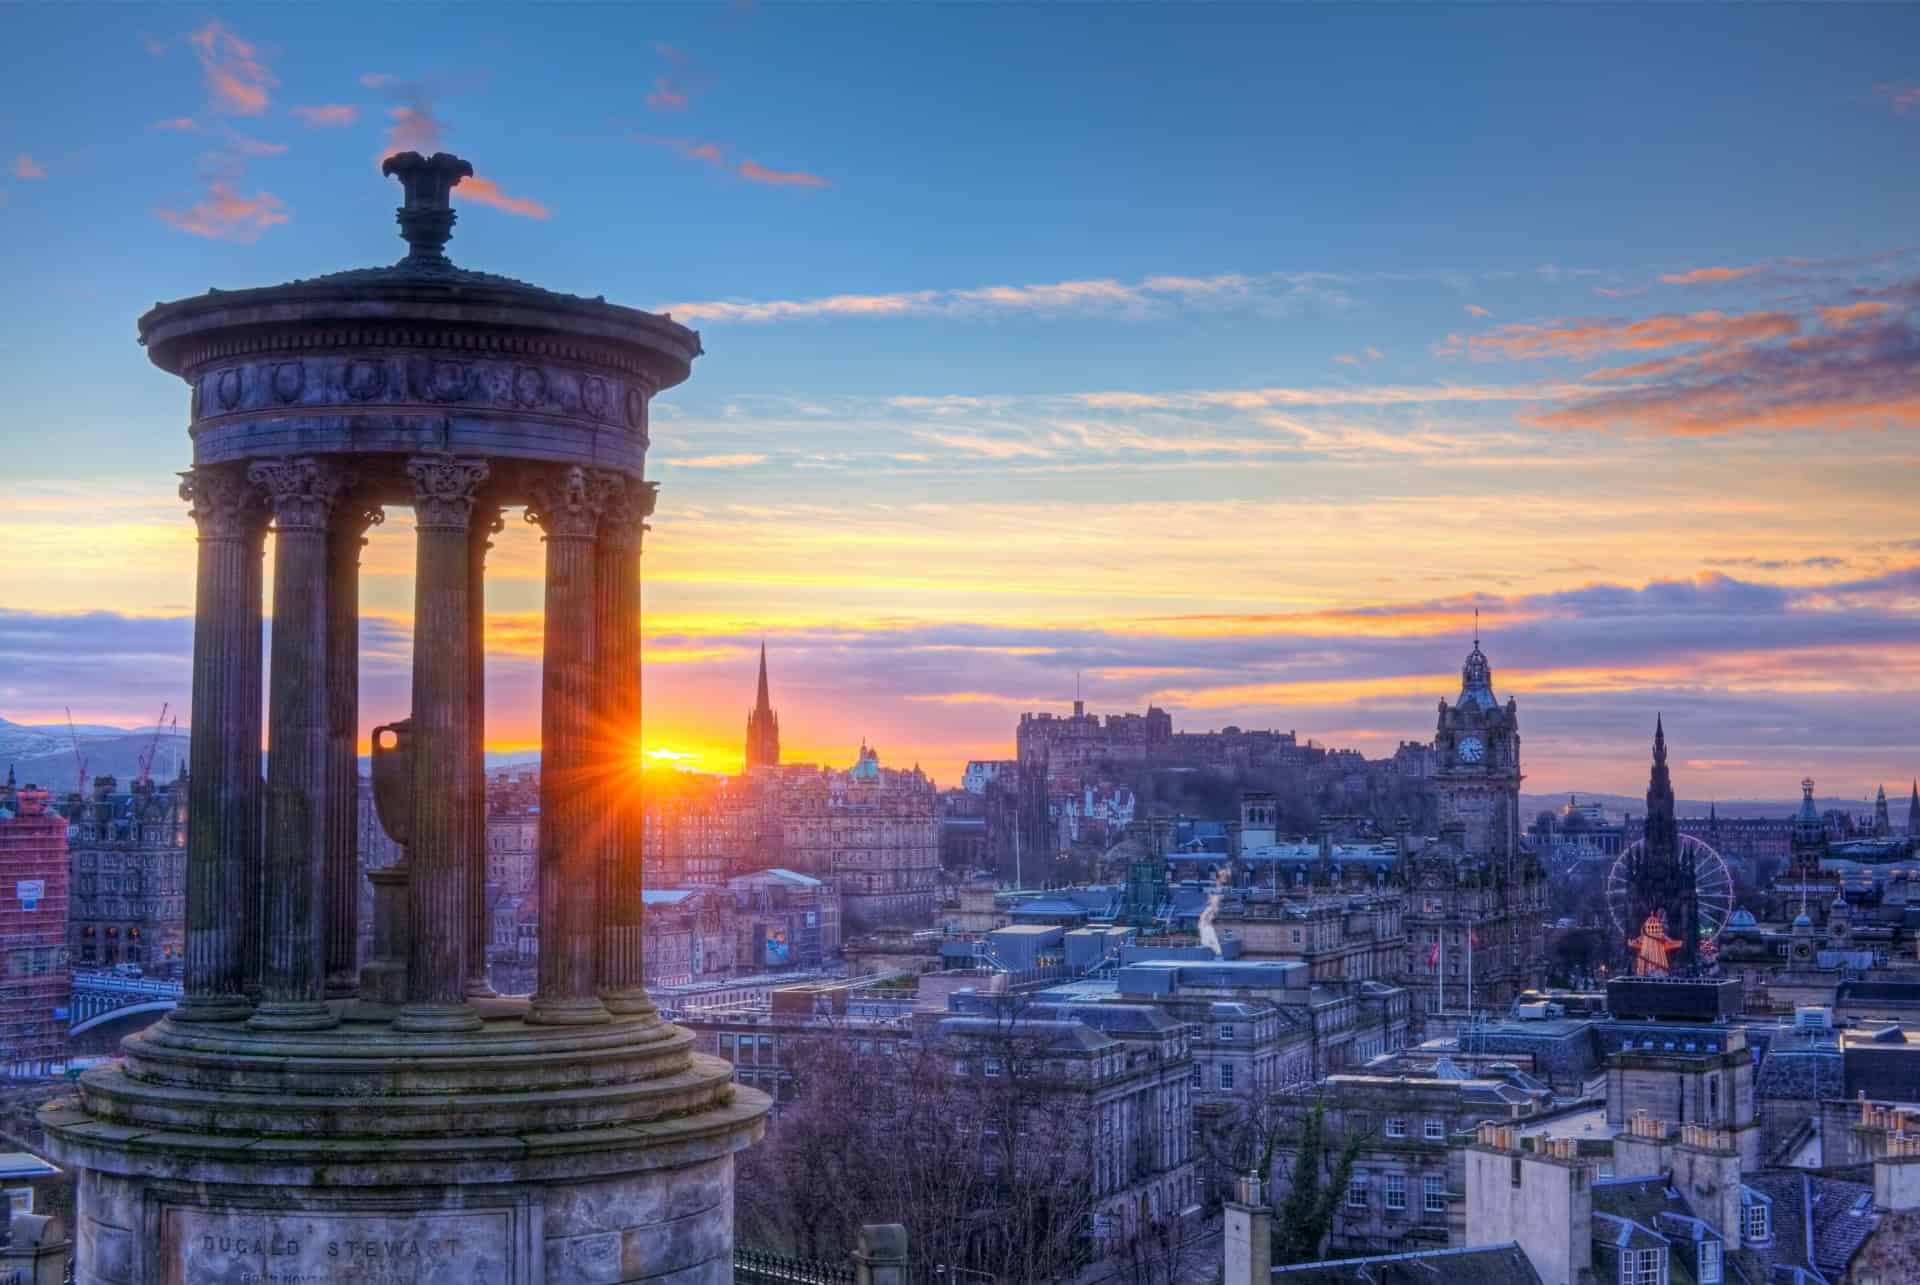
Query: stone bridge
(99, 998)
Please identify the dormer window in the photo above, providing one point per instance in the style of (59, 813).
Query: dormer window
(1643, 1267)
(1709, 1273)
(1756, 1218)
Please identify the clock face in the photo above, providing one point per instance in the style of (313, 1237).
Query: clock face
(1471, 749)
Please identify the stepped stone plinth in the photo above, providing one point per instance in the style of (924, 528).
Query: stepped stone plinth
(306, 1116)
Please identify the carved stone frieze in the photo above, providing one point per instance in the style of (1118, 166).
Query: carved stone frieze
(302, 490)
(444, 488)
(225, 504)
(373, 380)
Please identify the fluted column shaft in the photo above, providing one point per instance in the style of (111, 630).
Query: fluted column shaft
(486, 521)
(345, 538)
(566, 504)
(253, 679)
(223, 826)
(302, 492)
(439, 906)
(618, 781)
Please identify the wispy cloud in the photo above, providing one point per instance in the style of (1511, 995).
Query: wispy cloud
(179, 124)
(716, 461)
(1711, 276)
(237, 77)
(674, 89)
(754, 172)
(24, 166)
(223, 214)
(328, 115)
(1475, 310)
(716, 155)
(487, 192)
(413, 124)
(1848, 366)
(1147, 297)
(1590, 336)
(247, 145)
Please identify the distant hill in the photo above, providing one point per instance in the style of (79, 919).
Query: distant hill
(42, 754)
(1618, 805)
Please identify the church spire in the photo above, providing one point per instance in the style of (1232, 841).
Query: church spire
(1913, 812)
(763, 725)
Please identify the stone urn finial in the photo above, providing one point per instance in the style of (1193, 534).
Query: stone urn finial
(426, 220)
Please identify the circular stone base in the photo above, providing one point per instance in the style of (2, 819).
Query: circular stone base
(515, 1154)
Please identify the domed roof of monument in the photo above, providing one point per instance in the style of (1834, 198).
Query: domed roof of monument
(424, 289)
(867, 767)
(1803, 920)
(1741, 918)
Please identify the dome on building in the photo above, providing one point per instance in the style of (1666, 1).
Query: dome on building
(1476, 680)
(1802, 920)
(1741, 920)
(867, 767)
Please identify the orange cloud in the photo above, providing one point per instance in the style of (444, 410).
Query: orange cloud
(1475, 310)
(487, 192)
(718, 461)
(237, 79)
(664, 98)
(24, 166)
(223, 214)
(1587, 338)
(754, 172)
(1853, 313)
(1710, 276)
(183, 124)
(328, 115)
(414, 129)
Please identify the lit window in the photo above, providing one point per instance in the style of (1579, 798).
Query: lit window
(1436, 1130)
(1357, 1194)
(1396, 1191)
(1433, 1190)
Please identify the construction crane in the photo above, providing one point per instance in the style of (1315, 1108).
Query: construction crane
(79, 759)
(145, 775)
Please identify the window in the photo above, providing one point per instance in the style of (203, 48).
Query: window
(1193, 1075)
(1357, 1194)
(1433, 1190)
(1643, 1267)
(1226, 1031)
(1396, 1127)
(1226, 1075)
(1396, 1191)
(990, 1066)
(1756, 1223)
(1436, 1130)
(1709, 1262)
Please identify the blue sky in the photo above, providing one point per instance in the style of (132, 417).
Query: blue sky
(1230, 355)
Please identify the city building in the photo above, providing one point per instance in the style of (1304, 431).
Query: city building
(35, 991)
(783, 919)
(873, 831)
(1663, 907)
(128, 853)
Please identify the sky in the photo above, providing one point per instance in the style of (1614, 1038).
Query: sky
(1224, 358)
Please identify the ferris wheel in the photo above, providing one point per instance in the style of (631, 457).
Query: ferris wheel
(1713, 886)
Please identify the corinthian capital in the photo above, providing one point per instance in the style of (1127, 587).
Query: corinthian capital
(568, 501)
(302, 490)
(224, 504)
(444, 488)
(629, 503)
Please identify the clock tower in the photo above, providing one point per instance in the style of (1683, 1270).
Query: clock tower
(1478, 750)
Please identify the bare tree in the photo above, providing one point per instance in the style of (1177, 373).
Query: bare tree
(990, 1172)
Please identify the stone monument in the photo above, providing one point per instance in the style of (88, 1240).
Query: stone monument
(299, 1118)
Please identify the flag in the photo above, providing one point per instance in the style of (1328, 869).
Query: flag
(1433, 956)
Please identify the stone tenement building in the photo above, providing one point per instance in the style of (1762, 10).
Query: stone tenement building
(128, 858)
(35, 990)
(295, 1110)
(874, 832)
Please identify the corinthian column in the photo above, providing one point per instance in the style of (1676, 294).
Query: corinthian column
(302, 492)
(440, 903)
(223, 810)
(566, 504)
(345, 538)
(618, 781)
(486, 521)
